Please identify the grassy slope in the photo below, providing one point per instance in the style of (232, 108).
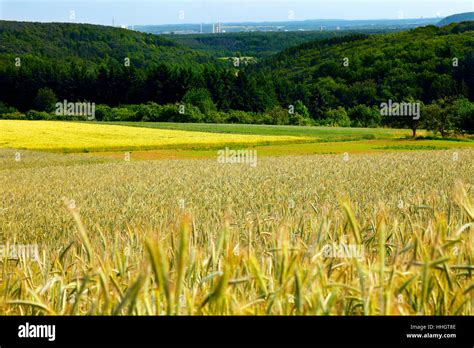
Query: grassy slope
(319, 133)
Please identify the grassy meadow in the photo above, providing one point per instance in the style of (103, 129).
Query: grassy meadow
(198, 237)
(321, 134)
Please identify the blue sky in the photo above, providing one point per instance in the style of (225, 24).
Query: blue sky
(129, 12)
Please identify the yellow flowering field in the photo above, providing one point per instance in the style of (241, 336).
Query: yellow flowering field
(83, 137)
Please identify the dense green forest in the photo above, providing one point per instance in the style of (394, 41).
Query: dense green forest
(86, 43)
(255, 44)
(335, 81)
(425, 64)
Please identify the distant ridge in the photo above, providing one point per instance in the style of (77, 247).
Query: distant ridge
(457, 18)
(311, 24)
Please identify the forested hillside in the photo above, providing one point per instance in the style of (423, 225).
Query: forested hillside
(68, 42)
(457, 18)
(254, 44)
(424, 64)
(336, 81)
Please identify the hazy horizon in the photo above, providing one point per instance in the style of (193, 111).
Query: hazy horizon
(156, 12)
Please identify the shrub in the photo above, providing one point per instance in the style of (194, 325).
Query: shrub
(37, 115)
(298, 120)
(13, 116)
(279, 116)
(150, 112)
(5, 109)
(337, 118)
(216, 117)
(181, 113)
(103, 113)
(201, 98)
(123, 114)
(302, 110)
(120, 114)
(237, 116)
(365, 116)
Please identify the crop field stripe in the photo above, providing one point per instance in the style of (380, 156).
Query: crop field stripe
(320, 133)
(87, 137)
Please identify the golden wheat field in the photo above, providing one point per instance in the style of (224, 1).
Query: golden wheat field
(196, 237)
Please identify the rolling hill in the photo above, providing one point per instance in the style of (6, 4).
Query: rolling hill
(425, 64)
(255, 44)
(89, 43)
(457, 18)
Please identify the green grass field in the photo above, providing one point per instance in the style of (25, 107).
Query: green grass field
(319, 133)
